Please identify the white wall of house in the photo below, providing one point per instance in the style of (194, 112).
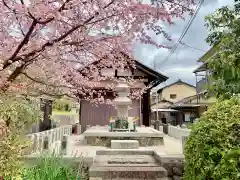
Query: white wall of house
(177, 92)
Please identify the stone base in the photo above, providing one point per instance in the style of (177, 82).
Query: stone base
(128, 172)
(127, 165)
(146, 136)
(124, 144)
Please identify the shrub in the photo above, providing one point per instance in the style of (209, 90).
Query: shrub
(62, 105)
(16, 114)
(212, 151)
(53, 168)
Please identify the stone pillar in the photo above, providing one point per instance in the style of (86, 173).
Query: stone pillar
(64, 143)
(69, 146)
(122, 102)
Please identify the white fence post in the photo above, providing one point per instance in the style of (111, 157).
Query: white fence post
(53, 136)
(177, 132)
(184, 139)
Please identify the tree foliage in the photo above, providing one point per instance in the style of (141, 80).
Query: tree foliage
(212, 151)
(224, 27)
(62, 105)
(16, 114)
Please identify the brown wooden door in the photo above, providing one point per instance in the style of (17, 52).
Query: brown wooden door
(100, 114)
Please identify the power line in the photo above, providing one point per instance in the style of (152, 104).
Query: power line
(186, 28)
(184, 44)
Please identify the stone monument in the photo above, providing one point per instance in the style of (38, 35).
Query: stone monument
(122, 103)
(122, 127)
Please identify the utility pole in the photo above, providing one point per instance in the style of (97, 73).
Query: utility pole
(156, 96)
(156, 101)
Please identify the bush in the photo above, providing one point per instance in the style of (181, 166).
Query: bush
(62, 105)
(53, 168)
(212, 151)
(16, 114)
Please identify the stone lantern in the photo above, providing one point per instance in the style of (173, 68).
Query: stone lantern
(122, 102)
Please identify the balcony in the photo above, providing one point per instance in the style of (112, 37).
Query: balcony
(202, 85)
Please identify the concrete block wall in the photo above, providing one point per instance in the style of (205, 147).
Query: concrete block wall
(177, 132)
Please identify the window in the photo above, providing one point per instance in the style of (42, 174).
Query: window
(173, 96)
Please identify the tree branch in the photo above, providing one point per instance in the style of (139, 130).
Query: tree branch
(14, 11)
(24, 41)
(57, 95)
(63, 6)
(44, 83)
(15, 73)
(35, 22)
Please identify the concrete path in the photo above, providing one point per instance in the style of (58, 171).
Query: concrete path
(172, 145)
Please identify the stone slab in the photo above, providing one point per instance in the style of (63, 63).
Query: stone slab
(125, 152)
(106, 141)
(125, 160)
(101, 136)
(124, 144)
(127, 172)
(104, 132)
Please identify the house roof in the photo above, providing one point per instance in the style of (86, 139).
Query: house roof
(186, 102)
(177, 82)
(164, 110)
(186, 106)
(161, 103)
(150, 71)
(201, 68)
(209, 53)
(159, 77)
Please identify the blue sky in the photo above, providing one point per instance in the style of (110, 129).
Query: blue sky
(184, 60)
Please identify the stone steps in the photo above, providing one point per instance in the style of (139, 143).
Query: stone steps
(125, 152)
(125, 160)
(144, 172)
(122, 163)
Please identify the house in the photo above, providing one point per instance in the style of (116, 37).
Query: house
(202, 74)
(175, 92)
(194, 106)
(91, 114)
(167, 96)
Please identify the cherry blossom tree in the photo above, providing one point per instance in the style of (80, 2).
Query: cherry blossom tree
(44, 43)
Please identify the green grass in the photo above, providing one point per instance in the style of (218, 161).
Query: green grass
(53, 168)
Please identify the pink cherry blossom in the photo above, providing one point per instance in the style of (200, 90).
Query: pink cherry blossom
(42, 42)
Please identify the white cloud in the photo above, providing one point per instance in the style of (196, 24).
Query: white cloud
(184, 60)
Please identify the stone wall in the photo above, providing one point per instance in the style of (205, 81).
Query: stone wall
(106, 141)
(174, 166)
